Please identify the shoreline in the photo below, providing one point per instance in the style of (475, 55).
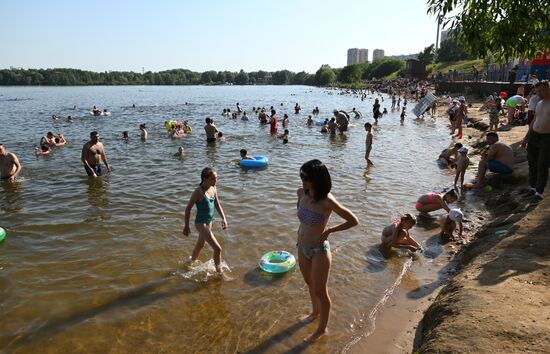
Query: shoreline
(429, 324)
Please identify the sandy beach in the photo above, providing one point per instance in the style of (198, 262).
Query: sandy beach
(496, 299)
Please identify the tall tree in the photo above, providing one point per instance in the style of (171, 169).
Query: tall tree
(452, 50)
(505, 28)
(427, 55)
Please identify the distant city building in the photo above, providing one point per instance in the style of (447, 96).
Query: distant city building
(357, 56)
(363, 55)
(377, 54)
(353, 56)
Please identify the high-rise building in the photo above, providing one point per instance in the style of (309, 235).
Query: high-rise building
(377, 54)
(363, 55)
(353, 56)
(357, 56)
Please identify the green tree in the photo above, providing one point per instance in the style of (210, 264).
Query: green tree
(427, 55)
(452, 50)
(351, 73)
(280, 77)
(505, 28)
(241, 78)
(324, 76)
(383, 67)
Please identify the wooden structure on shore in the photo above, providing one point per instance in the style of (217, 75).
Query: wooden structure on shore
(480, 88)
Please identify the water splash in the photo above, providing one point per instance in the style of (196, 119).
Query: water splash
(200, 272)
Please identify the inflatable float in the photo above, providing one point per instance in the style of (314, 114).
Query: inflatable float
(277, 262)
(260, 161)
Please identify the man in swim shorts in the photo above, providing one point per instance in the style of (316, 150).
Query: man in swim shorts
(210, 130)
(93, 152)
(342, 121)
(498, 159)
(9, 165)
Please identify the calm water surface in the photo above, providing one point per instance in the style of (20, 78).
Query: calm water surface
(100, 265)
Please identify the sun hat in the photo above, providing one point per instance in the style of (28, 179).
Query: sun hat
(462, 99)
(456, 215)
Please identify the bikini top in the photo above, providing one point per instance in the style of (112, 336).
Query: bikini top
(311, 218)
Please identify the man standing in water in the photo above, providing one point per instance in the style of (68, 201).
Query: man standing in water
(342, 121)
(93, 153)
(210, 130)
(9, 165)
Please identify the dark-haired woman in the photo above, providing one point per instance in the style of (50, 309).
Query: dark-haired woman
(315, 205)
(435, 201)
(205, 197)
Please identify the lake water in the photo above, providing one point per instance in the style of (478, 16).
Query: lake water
(100, 265)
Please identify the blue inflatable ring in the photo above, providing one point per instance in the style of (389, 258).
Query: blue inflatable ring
(320, 122)
(277, 262)
(260, 161)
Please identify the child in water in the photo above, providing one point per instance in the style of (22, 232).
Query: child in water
(205, 197)
(285, 136)
(245, 156)
(368, 143)
(462, 161)
(180, 152)
(397, 234)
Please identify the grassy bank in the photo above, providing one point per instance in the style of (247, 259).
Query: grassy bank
(463, 66)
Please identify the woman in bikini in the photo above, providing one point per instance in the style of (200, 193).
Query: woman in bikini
(205, 197)
(435, 201)
(315, 205)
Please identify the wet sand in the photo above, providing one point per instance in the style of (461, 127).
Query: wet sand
(497, 301)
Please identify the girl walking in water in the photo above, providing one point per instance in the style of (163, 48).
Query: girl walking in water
(315, 205)
(205, 197)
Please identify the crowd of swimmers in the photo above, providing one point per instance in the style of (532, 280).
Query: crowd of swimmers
(315, 202)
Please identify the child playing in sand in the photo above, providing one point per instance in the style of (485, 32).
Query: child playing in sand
(462, 161)
(494, 109)
(397, 234)
(368, 143)
(449, 223)
(245, 156)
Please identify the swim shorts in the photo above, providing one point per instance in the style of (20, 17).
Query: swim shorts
(498, 167)
(210, 140)
(93, 169)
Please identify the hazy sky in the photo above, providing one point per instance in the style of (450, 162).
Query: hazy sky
(206, 35)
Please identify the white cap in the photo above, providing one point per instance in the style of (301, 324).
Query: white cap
(456, 215)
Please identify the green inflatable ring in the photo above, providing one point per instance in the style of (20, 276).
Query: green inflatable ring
(277, 262)
(2, 234)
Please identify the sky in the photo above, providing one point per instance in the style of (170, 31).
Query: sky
(200, 35)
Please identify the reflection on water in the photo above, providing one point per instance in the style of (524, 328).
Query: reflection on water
(86, 262)
(11, 201)
(97, 199)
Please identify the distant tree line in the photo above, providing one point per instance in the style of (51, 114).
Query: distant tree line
(355, 73)
(325, 76)
(67, 77)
